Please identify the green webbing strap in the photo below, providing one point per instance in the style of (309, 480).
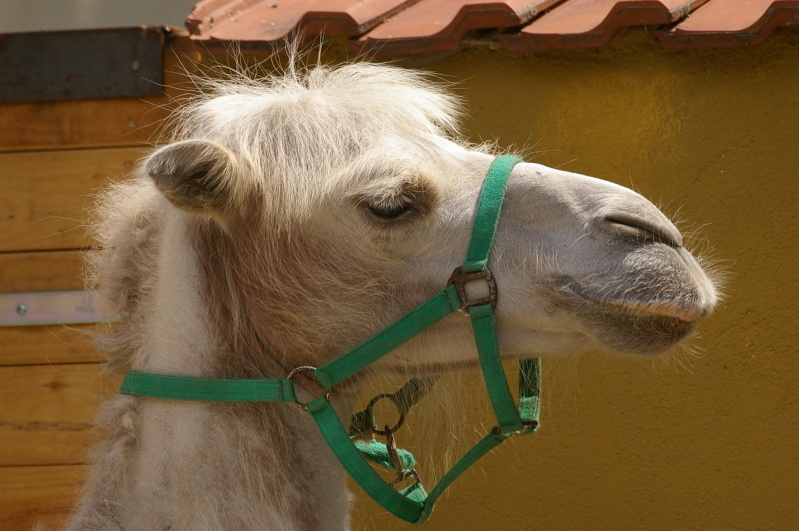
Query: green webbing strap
(209, 389)
(377, 452)
(356, 465)
(486, 220)
(487, 217)
(485, 336)
(412, 504)
(415, 322)
(530, 392)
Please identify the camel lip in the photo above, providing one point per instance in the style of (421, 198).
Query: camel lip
(652, 308)
(655, 309)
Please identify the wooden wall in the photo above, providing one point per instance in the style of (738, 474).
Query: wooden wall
(53, 159)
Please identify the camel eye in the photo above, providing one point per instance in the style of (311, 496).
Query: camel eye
(392, 210)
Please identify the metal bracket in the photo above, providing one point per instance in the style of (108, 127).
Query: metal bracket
(47, 308)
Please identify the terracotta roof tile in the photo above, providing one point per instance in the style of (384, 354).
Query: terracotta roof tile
(271, 21)
(413, 26)
(731, 23)
(436, 25)
(592, 23)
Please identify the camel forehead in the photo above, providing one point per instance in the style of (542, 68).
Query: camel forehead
(308, 135)
(363, 97)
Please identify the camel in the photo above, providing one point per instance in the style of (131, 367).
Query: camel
(292, 217)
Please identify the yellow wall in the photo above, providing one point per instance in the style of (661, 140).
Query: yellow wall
(713, 137)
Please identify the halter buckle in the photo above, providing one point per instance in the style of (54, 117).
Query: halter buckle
(459, 279)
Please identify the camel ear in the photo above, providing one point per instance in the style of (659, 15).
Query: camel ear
(194, 175)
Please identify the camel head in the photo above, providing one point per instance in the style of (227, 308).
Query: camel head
(325, 206)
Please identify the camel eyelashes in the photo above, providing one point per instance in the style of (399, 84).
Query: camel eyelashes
(410, 203)
(389, 211)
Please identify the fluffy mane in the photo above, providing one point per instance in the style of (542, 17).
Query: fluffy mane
(298, 131)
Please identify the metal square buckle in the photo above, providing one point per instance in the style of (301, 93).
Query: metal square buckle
(459, 279)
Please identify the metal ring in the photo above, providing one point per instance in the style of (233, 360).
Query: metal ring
(310, 370)
(401, 420)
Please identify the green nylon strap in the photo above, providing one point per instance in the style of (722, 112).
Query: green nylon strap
(356, 465)
(415, 322)
(485, 336)
(415, 506)
(477, 451)
(209, 389)
(530, 392)
(487, 216)
(377, 452)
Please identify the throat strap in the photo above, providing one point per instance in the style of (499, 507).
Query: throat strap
(209, 389)
(412, 503)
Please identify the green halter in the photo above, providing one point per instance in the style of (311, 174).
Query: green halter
(412, 503)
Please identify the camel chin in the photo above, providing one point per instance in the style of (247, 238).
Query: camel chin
(649, 311)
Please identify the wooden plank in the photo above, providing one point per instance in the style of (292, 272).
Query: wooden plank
(96, 123)
(47, 345)
(42, 271)
(46, 412)
(40, 495)
(46, 195)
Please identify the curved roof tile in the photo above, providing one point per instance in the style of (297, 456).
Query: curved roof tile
(414, 26)
(272, 21)
(437, 25)
(731, 23)
(593, 23)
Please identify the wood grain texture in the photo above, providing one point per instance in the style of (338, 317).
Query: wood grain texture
(43, 495)
(99, 123)
(47, 345)
(46, 196)
(46, 412)
(41, 271)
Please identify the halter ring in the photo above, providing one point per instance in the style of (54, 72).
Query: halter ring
(399, 423)
(305, 369)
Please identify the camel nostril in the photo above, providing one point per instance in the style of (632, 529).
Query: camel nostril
(625, 224)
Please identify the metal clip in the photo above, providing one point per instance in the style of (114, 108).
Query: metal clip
(396, 462)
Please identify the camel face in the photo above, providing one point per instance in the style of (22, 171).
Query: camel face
(579, 262)
(350, 226)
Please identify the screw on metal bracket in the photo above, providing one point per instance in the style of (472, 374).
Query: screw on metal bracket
(22, 309)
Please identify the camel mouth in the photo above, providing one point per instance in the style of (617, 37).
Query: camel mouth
(655, 308)
(640, 327)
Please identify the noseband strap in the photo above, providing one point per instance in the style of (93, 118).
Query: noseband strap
(412, 503)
